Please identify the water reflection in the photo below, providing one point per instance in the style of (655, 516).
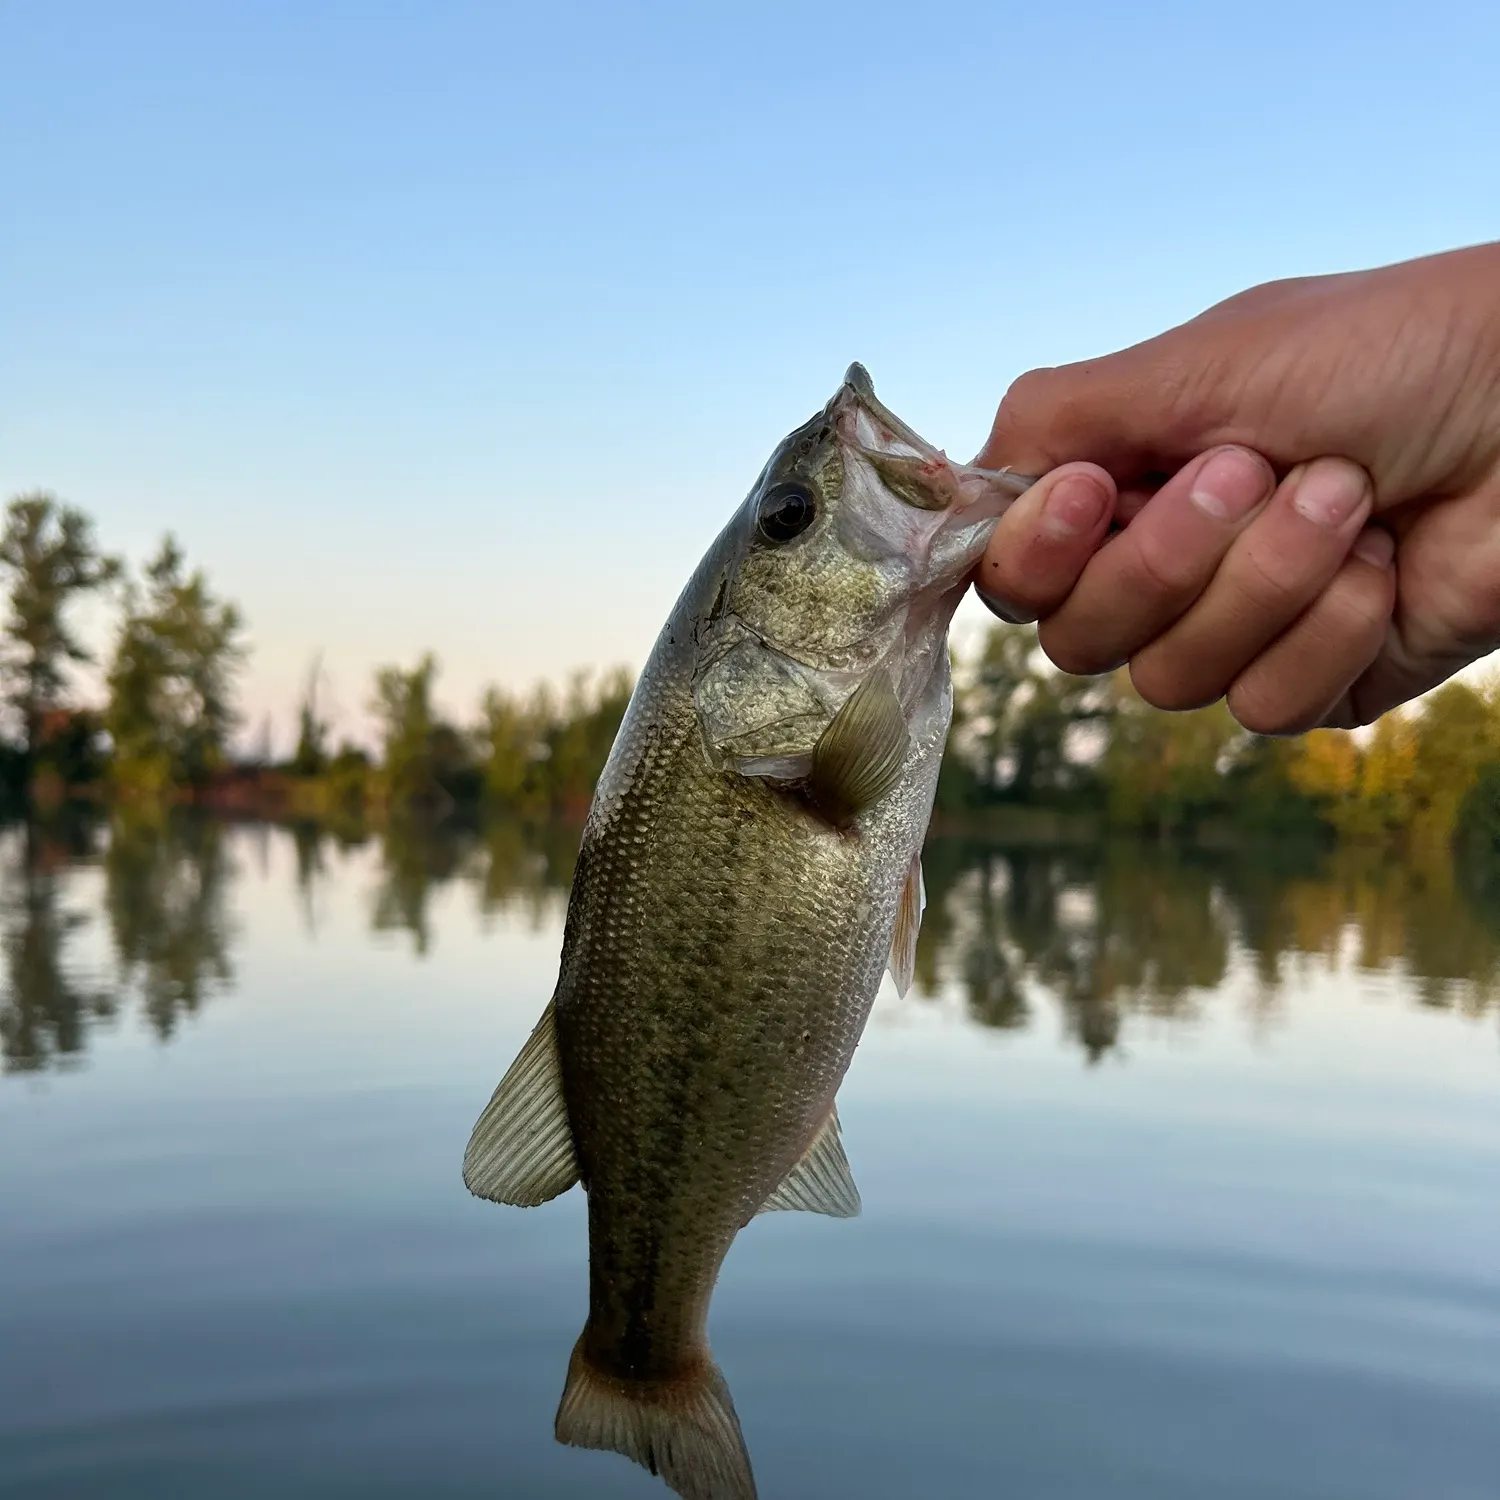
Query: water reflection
(50, 1001)
(1098, 934)
(1120, 929)
(415, 857)
(166, 895)
(165, 907)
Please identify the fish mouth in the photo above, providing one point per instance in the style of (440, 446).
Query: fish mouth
(857, 396)
(914, 470)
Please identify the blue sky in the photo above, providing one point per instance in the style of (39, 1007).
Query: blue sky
(464, 326)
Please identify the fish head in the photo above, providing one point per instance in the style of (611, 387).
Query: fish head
(847, 559)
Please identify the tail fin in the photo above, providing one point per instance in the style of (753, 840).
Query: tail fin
(684, 1429)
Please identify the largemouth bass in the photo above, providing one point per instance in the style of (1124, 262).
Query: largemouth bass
(749, 868)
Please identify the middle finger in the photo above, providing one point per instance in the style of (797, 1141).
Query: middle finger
(1149, 574)
(1274, 571)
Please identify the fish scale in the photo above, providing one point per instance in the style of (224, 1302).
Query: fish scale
(732, 913)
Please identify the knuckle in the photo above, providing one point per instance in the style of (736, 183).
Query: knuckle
(1029, 392)
(1068, 654)
(1254, 704)
(1356, 607)
(1023, 411)
(1163, 570)
(1271, 583)
(1289, 691)
(1365, 604)
(1161, 679)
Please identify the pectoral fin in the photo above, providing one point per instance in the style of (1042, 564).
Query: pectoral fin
(821, 1183)
(903, 962)
(858, 758)
(521, 1149)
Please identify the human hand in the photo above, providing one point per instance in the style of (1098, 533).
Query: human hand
(1254, 597)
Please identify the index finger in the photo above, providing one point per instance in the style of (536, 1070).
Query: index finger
(1042, 544)
(1129, 412)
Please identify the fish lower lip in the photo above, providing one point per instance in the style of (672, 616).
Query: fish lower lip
(1024, 481)
(1005, 478)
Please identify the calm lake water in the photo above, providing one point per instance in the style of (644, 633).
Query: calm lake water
(1181, 1179)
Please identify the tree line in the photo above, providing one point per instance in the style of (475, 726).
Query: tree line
(1027, 737)
(1027, 741)
(535, 755)
(168, 707)
(165, 728)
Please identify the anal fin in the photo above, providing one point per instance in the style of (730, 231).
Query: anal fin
(903, 961)
(821, 1183)
(521, 1148)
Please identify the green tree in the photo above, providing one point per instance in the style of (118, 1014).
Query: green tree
(1002, 673)
(1166, 771)
(171, 709)
(1265, 793)
(1457, 735)
(544, 757)
(1478, 831)
(427, 761)
(1384, 799)
(580, 742)
(53, 561)
(403, 706)
(1043, 735)
(514, 745)
(1017, 720)
(311, 756)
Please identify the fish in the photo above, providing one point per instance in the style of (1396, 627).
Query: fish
(749, 869)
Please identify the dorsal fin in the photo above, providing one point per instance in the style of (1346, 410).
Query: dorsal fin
(521, 1149)
(821, 1183)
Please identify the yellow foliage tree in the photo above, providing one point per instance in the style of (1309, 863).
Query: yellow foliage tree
(1326, 765)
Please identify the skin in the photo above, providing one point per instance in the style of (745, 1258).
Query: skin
(1291, 501)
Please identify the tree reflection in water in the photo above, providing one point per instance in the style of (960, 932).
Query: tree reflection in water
(1116, 929)
(50, 999)
(166, 895)
(1105, 934)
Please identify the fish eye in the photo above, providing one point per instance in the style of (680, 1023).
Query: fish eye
(786, 511)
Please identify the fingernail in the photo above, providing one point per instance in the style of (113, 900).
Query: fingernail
(1231, 484)
(1330, 491)
(1376, 547)
(1004, 611)
(1075, 505)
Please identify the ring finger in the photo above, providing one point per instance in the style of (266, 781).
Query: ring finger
(1303, 678)
(1273, 572)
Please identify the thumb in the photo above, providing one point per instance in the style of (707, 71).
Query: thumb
(1140, 413)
